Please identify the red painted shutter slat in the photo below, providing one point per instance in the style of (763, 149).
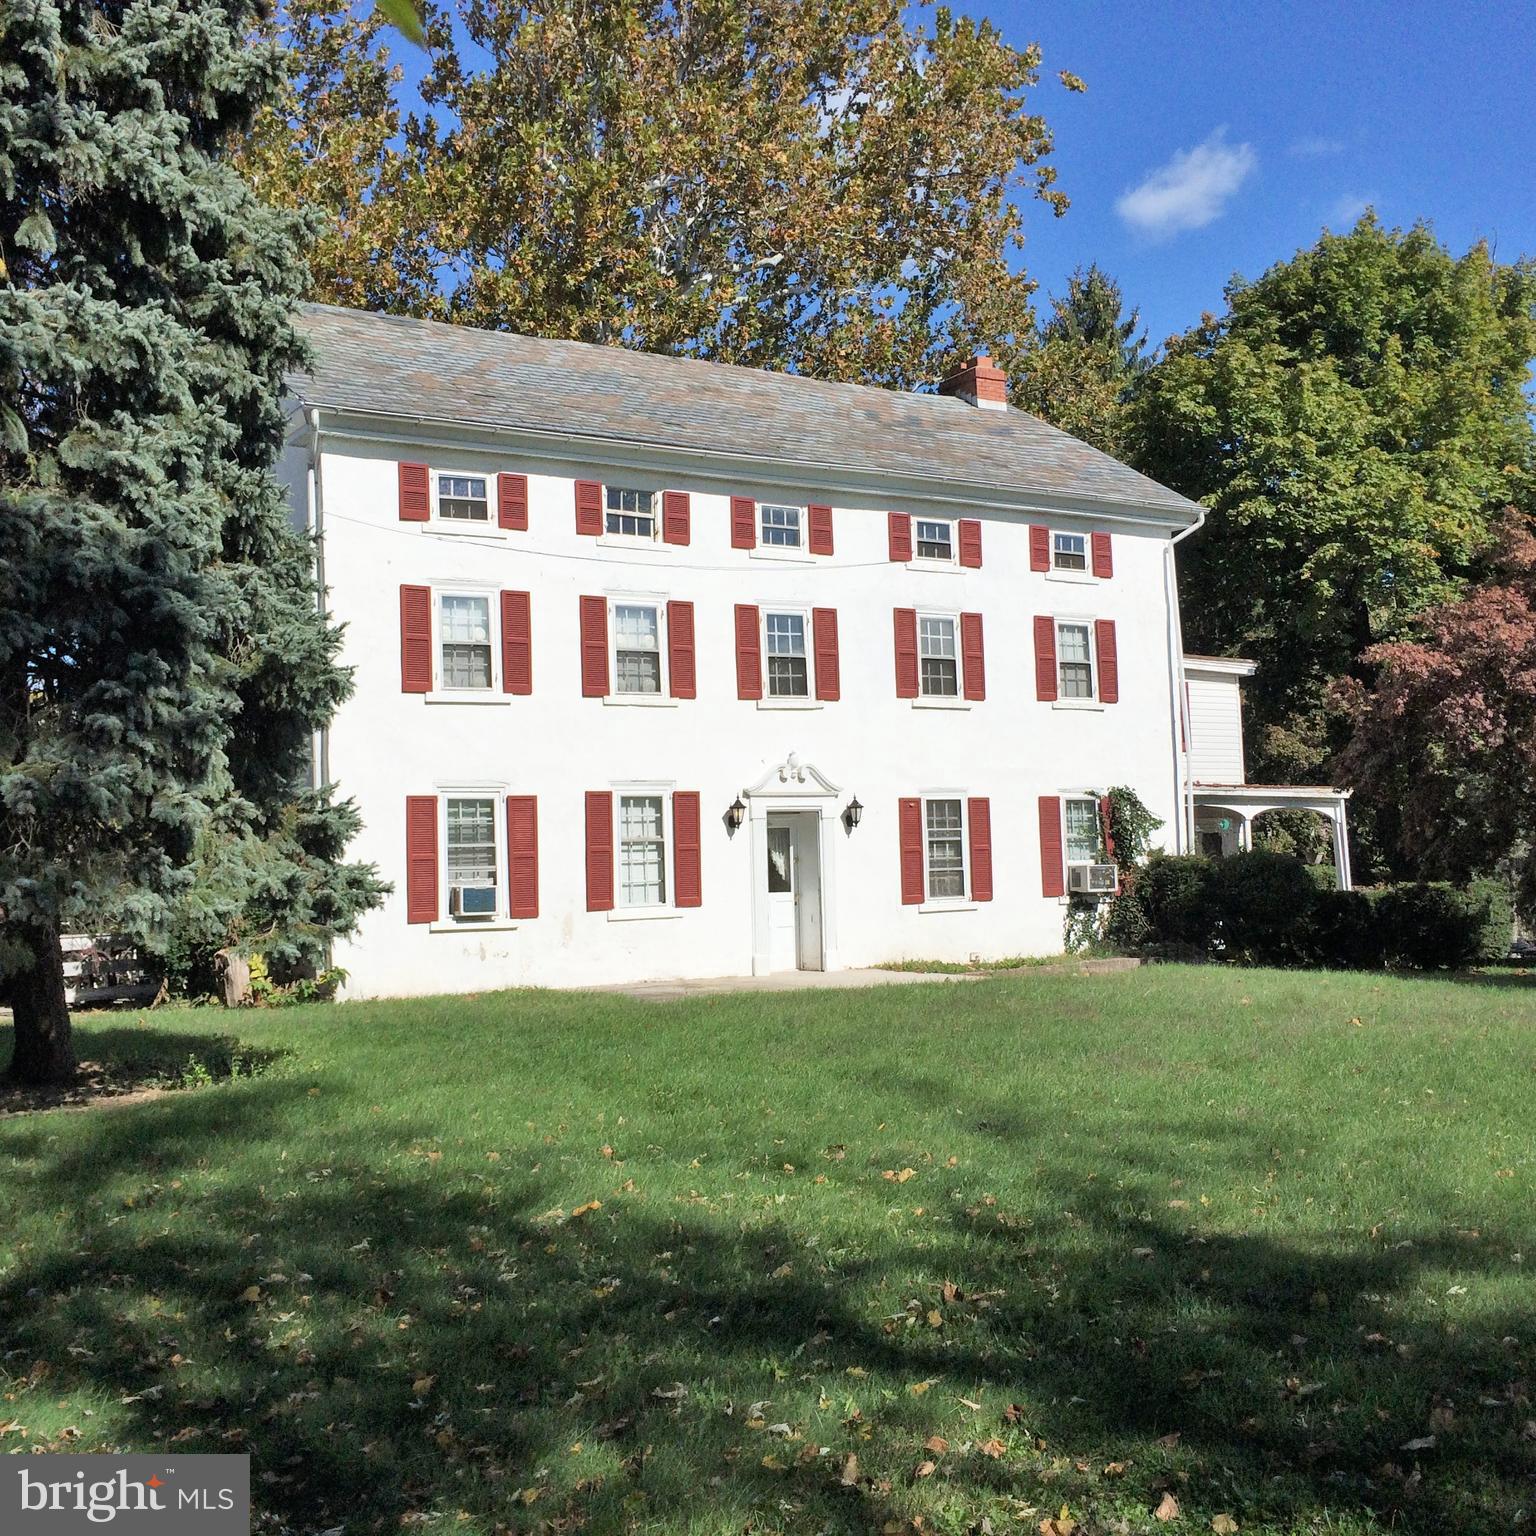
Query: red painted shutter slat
(676, 517)
(421, 858)
(824, 643)
(516, 643)
(599, 851)
(899, 534)
(1039, 548)
(415, 639)
(523, 854)
(743, 522)
(589, 508)
(978, 817)
(512, 501)
(821, 529)
(970, 542)
(906, 653)
(682, 668)
(1103, 556)
(1053, 880)
(910, 824)
(749, 653)
(415, 493)
(973, 656)
(1109, 661)
(687, 857)
(594, 647)
(1045, 658)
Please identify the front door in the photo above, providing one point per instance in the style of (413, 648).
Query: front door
(794, 892)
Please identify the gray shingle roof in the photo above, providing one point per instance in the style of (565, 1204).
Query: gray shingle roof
(392, 366)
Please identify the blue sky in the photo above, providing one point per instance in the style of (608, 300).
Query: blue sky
(1257, 123)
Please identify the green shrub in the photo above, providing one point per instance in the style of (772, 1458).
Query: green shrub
(1346, 932)
(1173, 893)
(1264, 908)
(1434, 926)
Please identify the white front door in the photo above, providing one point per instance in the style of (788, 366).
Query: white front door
(808, 947)
(782, 944)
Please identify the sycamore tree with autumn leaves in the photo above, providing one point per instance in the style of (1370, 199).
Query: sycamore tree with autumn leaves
(832, 186)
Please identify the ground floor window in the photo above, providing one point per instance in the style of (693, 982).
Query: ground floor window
(945, 834)
(471, 845)
(1085, 841)
(642, 851)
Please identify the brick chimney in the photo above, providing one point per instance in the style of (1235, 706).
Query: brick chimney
(980, 382)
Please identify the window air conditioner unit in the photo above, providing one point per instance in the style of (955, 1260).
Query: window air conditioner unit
(1093, 879)
(472, 900)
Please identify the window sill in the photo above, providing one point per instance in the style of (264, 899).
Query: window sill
(946, 906)
(1092, 706)
(467, 696)
(460, 530)
(939, 701)
(631, 542)
(944, 567)
(787, 554)
(491, 925)
(791, 703)
(642, 914)
(640, 701)
(1077, 578)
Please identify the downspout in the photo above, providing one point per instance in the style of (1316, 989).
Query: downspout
(1184, 792)
(320, 745)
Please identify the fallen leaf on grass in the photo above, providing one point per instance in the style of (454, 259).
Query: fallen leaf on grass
(992, 1447)
(919, 1387)
(937, 1444)
(925, 1469)
(588, 1208)
(673, 1394)
(1061, 1524)
(1224, 1525)
(849, 1476)
(1168, 1509)
(1170, 1440)
(251, 1293)
(901, 1177)
(1423, 1443)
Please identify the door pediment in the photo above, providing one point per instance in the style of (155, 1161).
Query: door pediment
(792, 780)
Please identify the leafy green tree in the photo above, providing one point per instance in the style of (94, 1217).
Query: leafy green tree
(799, 184)
(163, 661)
(1355, 422)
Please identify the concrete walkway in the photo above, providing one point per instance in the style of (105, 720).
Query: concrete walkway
(778, 981)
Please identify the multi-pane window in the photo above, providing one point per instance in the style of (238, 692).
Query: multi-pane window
(636, 648)
(1069, 552)
(464, 632)
(642, 851)
(1084, 842)
(788, 676)
(462, 498)
(471, 843)
(1075, 660)
(781, 526)
(939, 668)
(630, 512)
(934, 541)
(946, 850)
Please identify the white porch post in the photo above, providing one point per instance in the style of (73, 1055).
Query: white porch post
(1341, 867)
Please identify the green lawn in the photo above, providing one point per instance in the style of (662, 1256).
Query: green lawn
(541, 1261)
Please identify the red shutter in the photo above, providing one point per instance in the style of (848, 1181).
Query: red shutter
(599, 851)
(523, 854)
(978, 819)
(906, 653)
(743, 522)
(1052, 876)
(687, 874)
(415, 639)
(910, 823)
(1103, 556)
(1106, 813)
(512, 501)
(516, 643)
(589, 508)
(1109, 664)
(970, 542)
(973, 656)
(594, 647)
(676, 518)
(1039, 548)
(899, 533)
(1045, 658)
(415, 493)
(824, 643)
(749, 653)
(682, 670)
(421, 858)
(821, 529)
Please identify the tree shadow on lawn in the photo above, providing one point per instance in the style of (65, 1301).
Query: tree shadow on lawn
(412, 1334)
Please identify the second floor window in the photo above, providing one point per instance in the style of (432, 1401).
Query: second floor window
(1074, 655)
(471, 847)
(642, 851)
(1069, 552)
(788, 673)
(630, 513)
(462, 499)
(636, 648)
(946, 850)
(935, 541)
(939, 667)
(464, 632)
(781, 526)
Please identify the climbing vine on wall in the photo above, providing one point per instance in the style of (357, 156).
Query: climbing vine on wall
(1125, 838)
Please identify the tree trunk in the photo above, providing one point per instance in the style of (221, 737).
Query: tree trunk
(44, 1051)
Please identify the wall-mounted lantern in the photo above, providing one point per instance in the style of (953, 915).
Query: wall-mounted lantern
(735, 814)
(854, 813)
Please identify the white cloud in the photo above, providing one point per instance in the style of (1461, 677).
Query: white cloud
(1345, 211)
(1191, 190)
(1315, 148)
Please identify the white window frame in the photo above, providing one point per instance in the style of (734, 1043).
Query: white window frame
(499, 921)
(1054, 572)
(1081, 796)
(936, 562)
(440, 694)
(631, 540)
(802, 526)
(619, 913)
(663, 697)
(790, 554)
(803, 613)
(957, 699)
(1092, 701)
(965, 902)
(440, 524)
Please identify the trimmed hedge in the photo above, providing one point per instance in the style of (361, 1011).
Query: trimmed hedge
(1269, 909)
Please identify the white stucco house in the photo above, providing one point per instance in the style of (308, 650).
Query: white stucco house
(670, 669)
